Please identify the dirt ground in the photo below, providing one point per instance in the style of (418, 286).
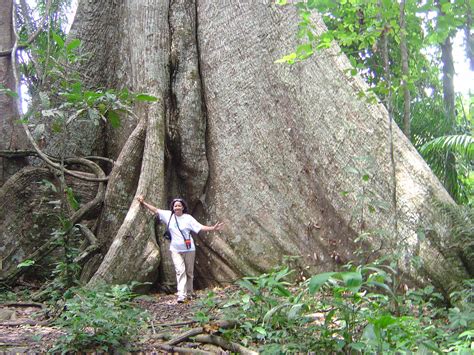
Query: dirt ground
(24, 330)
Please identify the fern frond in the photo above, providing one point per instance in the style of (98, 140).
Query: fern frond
(462, 144)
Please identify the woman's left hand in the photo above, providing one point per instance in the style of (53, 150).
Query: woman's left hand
(218, 226)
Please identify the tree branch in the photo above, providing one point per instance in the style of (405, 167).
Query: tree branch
(217, 340)
(182, 337)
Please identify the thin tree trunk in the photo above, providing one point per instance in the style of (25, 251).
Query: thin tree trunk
(469, 36)
(11, 133)
(405, 72)
(449, 101)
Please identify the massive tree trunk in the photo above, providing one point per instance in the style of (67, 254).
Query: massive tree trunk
(290, 158)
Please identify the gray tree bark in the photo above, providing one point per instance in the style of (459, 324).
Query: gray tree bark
(289, 157)
(11, 134)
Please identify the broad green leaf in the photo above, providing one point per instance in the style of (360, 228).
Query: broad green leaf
(352, 280)
(317, 281)
(384, 321)
(282, 291)
(244, 283)
(381, 285)
(428, 347)
(114, 118)
(73, 44)
(58, 39)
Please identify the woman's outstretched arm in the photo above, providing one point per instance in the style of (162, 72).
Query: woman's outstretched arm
(216, 227)
(150, 208)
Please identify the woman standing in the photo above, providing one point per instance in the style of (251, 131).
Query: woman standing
(183, 252)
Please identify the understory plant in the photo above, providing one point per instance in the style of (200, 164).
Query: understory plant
(100, 319)
(350, 311)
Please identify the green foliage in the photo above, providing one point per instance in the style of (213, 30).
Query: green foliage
(206, 306)
(6, 91)
(100, 319)
(348, 312)
(25, 263)
(358, 26)
(63, 95)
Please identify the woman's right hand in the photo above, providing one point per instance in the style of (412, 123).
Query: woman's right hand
(140, 198)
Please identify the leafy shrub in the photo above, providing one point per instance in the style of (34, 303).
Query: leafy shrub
(350, 311)
(101, 319)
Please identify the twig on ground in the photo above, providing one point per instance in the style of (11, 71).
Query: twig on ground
(182, 337)
(19, 322)
(22, 304)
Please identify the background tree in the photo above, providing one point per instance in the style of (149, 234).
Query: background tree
(13, 137)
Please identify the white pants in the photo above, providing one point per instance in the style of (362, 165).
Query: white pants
(184, 267)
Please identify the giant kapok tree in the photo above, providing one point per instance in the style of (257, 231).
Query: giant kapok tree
(290, 158)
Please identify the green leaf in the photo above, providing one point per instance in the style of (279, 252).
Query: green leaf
(49, 185)
(304, 51)
(72, 199)
(352, 280)
(272, 311)
(114, 118)
(384, 321)
(244, 283)
(25, 263)
(282, 291)
(260, 330)
(8, 92)
(73, 44)
(146, 97)
(288, 59)
(295, 310)
(58, 39)
(317, 281)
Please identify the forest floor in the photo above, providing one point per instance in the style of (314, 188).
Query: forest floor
(24, 331)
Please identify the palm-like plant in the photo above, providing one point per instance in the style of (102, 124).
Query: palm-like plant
(451, 158)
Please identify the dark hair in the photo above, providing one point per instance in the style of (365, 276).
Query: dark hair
(185, 205)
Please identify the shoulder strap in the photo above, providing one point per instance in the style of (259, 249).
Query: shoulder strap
(177, 225)
(169, 220)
